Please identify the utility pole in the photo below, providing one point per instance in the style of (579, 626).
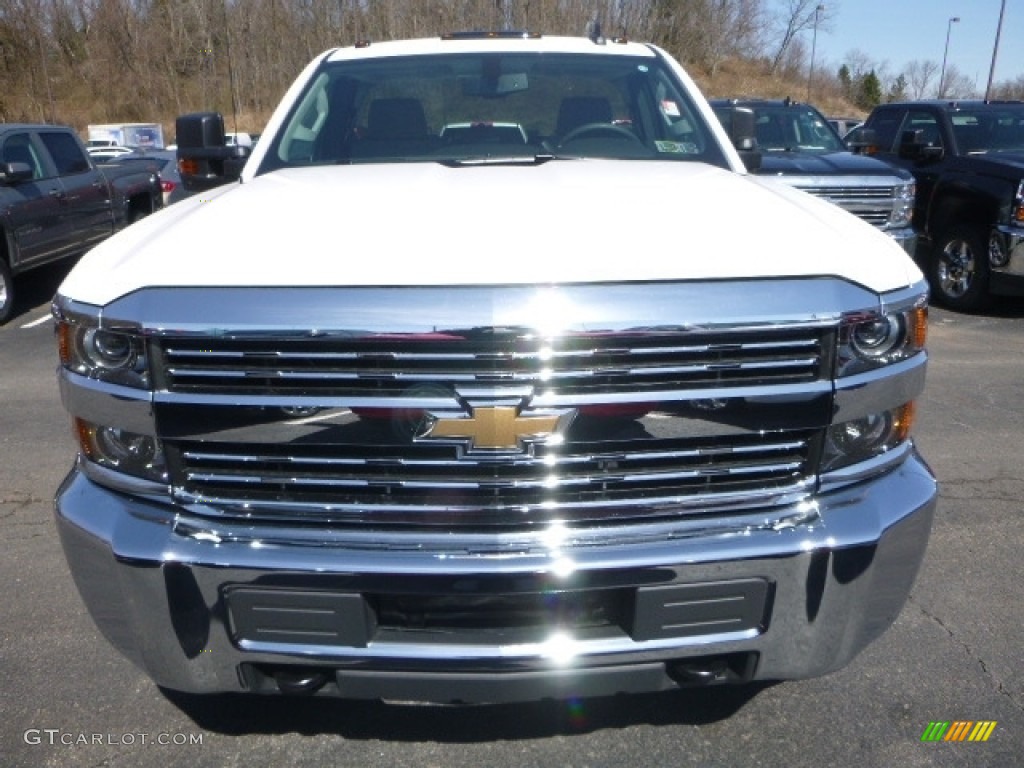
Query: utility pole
(995, 51)
(814, 47)
(945, 52)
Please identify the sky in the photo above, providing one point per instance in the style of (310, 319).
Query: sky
(900, 31)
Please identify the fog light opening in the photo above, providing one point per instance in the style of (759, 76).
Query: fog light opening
(299, 680)
(713, 670)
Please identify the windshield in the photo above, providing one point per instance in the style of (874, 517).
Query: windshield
(492, 107)
(999, 129)
(795, 128)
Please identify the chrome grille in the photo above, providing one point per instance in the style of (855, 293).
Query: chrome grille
(872, 204)
(390, 366)
(436, 485)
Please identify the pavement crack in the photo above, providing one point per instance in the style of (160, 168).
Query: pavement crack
(20, 500)
(1000, 688)
(998, 488)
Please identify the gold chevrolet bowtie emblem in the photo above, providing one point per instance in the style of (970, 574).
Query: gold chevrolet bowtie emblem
(497, 428)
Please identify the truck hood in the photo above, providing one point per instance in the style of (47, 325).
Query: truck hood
(428, 224)
(1004, 164)
(826, 164)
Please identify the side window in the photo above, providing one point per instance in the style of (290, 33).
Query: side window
(925, 122)
(67, 155)
(886, 125)
(18, 149)
(302, 131)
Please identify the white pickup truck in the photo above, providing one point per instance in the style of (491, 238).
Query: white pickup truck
(493, 376)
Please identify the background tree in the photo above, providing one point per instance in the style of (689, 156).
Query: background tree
(898, 90)
(957, 85)
(845, 82)
(869, 95)
(920, 75)
(794, 17)
(108, 61)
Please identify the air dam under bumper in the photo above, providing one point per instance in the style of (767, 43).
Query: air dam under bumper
(207, 607)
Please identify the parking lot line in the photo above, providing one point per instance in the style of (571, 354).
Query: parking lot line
(39, 321)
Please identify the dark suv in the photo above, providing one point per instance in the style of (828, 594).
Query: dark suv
(968, 159)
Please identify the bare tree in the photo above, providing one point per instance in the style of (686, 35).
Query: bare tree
(919, 74)
(726, 28)
(795, 17)
(957, 85)
(1011, 89)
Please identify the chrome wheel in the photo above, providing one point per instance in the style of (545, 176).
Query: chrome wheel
(6, 292)
(957, 268)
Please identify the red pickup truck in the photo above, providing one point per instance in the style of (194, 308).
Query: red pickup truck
(56, 203)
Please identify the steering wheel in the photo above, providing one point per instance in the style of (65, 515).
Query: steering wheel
(608, 129)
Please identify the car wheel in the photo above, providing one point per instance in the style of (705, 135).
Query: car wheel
(959, 271)
(6, 292)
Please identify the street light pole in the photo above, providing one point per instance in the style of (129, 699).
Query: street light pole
(995, 50)
(814, 46)
(945, 53)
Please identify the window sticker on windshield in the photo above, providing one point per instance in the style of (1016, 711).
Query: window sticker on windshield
(677, 147)
(670, 108)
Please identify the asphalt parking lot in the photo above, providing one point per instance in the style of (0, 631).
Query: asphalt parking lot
(954, 654)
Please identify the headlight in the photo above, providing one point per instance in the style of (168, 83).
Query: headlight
(869, 340)
(118, 357)
(122, 451)
(857, 440)
(903, 205)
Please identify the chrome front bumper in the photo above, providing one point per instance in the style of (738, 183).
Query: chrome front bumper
(1009, 278)
(170, 593)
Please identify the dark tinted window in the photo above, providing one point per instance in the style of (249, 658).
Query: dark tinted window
(926, 123)
(18, 149)
(794, 127)
(886, 123)
(67, 155)
(989, 129)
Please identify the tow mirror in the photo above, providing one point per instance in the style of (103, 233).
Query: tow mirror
(204, 161)
(740, 125)
(914, 147)
(862, 141)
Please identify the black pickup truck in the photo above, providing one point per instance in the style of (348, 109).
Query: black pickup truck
(56, 203)
(968, 159)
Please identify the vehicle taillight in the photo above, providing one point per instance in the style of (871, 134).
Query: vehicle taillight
(167, 186)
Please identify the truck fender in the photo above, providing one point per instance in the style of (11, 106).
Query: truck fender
(954, 202)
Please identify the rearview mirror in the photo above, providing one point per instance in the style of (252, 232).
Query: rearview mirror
(491, 86)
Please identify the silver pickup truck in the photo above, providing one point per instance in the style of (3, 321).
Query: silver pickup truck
(56, 203)
(493, 376)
